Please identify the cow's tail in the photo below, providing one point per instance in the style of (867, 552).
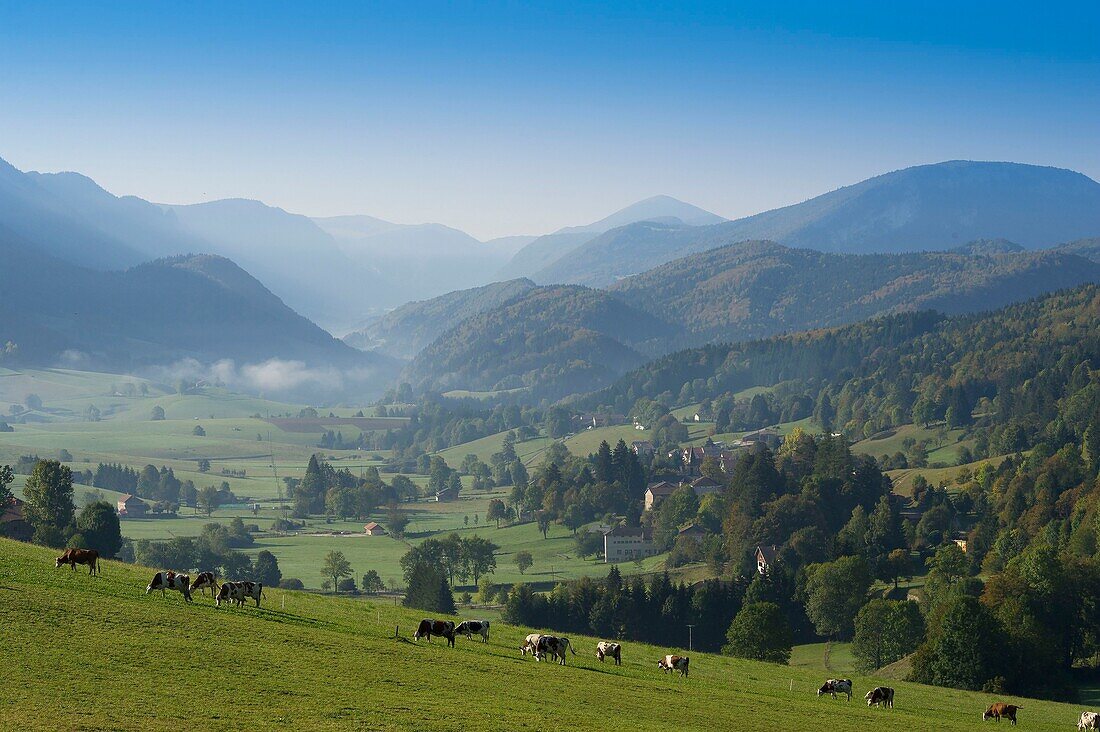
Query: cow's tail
(569, 645)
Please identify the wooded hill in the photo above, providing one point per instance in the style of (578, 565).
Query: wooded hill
(549, 341)
(742, 291)
(404, 331)
(1011, 368)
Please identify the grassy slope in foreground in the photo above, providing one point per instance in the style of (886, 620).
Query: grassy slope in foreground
(96, 653)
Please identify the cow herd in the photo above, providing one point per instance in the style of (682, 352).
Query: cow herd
(228, 592)
(883, 696)
(540, 645)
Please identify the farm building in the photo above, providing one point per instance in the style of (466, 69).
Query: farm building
(642, 447)
(694, 532)
(131, 506)
(374, 529)
(623, 544)
(447, 494)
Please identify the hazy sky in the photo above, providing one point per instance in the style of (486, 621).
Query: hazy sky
(508, 118)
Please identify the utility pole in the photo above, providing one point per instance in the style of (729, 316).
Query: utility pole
(689, 636)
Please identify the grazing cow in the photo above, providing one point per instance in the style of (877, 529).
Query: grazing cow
(1088, 720)
(170, 581)
(203, 580)
(880, 696)
(554, 647)
(73, 557)
(836, 686)
(238, 592)
(674, 663)
(428, 628)
(469, 628)
(1000, 709)
(610, 650)
(530, 644)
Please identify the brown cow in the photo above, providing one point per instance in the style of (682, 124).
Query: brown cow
(1000, 709)
(73, 557)
(428, 628)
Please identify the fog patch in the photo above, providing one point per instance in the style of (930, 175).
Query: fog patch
(73, 359)
(274, 378)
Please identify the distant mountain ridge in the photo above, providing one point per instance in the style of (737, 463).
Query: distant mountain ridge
(545, 250)
(927, 207)
(417, 260)
(193, 306)
(405, 331)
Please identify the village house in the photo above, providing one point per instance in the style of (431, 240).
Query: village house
(13, 524)
(765, 558)
(374, 529)
(623, 544)
(131, 507)
(657, 492)
(642, 448)
(704, 486)
(694, 532)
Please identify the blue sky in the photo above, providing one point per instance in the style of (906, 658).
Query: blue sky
(504, 118)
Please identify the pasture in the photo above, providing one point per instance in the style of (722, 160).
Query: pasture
(91, 653)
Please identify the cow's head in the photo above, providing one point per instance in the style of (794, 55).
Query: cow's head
(59, 562)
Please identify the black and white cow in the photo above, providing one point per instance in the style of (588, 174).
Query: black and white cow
(1088, 720)
(469, 628)
(554, 647)
(836, 686)
(428, 628)
(606, 649)
(238, 592)
(203, 580)
(880, 696)
(170, 581)
(674, 663)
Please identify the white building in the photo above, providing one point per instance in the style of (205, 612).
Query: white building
(622, 544)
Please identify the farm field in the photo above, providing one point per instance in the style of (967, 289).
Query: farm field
(903, 479)
(316, 662)
(301, 555)
(529, 451)
(891, 442)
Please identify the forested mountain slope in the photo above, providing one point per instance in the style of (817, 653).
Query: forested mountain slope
(549, 341)
(738, 292)
(403, 332)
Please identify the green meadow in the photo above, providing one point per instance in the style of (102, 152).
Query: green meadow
(95, 653)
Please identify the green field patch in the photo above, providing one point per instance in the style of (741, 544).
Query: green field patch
(322, 424)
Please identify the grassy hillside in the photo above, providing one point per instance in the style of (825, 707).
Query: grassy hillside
(96, 653)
